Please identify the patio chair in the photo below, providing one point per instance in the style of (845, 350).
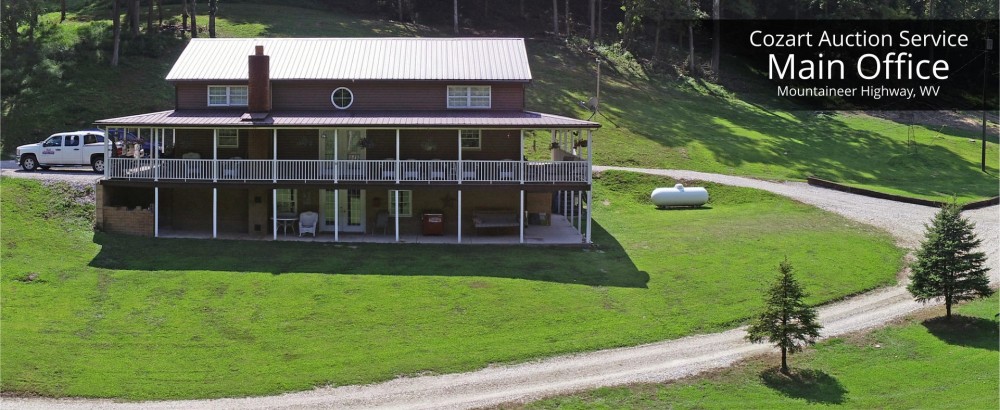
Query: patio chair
(381, 222)
(307, 223)
(192, 169)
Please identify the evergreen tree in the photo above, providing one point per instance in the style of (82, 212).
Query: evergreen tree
(948, 266)
(787, 321)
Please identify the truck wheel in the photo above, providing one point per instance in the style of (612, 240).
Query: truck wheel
(29, 163)
(98, 164)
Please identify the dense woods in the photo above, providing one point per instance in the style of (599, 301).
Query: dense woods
(670, 36)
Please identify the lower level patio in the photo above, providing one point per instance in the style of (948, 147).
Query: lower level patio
(560, 231)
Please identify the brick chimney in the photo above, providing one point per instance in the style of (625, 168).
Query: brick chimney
(259, 85)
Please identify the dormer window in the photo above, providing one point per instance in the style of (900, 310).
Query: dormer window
(468, 96)
(227, 96)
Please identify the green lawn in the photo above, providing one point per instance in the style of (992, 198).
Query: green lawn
(661, 122)
(688, 124)
(134, 318)
(923, 362)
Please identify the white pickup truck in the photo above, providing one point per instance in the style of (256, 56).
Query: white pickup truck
(64, 149)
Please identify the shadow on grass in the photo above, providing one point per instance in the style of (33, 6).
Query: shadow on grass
(814, 386)
(965, 331)
(604, 264)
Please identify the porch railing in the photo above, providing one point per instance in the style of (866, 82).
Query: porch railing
(246, 170)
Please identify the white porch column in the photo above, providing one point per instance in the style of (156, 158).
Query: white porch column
(398, 171)
(396, 193)
(520, 157)
(274, 213)
(215, 156)
(215, 213)
(520, 216)
(336, 157)
(572, 206)
(590, 213)
(459, 213)
(460, 171)
(274, 171)
(156, 212)
(590, 160)
(107, 154)
(565, 204)
(155, 146)
(579, 213)
(336, 215)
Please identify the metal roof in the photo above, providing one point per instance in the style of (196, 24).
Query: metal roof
(373, 119)
(469, 59)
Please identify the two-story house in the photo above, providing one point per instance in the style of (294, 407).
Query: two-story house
(384, 139)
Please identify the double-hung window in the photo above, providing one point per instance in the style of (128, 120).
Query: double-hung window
(227, 95)
(469, 96)
(471, 140)
(287, 202)
(228, 138)
(405, 203)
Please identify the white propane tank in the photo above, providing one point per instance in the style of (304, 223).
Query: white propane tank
(679, 196)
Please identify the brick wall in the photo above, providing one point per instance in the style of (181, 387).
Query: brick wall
(127, 221)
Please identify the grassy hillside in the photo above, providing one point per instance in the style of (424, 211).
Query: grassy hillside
(924, 362)
(100, 315)
(661, 122)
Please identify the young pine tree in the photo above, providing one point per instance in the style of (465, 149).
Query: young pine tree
(787, 321)
(948, 266)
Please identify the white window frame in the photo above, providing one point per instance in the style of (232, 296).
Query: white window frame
(334, 102)
(405, 206)
(229, 133)
(479, 139)
(288, 201)
(465, 100)
(228, 94)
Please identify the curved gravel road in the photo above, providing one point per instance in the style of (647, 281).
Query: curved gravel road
(654, 362)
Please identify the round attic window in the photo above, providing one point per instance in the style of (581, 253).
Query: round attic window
(342, 98)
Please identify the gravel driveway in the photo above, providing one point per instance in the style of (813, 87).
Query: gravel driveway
(655, 362)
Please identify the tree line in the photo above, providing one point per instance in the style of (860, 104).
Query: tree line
(643, 27)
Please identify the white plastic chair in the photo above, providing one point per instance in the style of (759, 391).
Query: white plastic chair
(307, 223)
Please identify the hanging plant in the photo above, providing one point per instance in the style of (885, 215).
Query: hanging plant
(554, 145)
(580, 143)
(366, 143)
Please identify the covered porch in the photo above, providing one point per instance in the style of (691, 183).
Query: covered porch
(560, 232)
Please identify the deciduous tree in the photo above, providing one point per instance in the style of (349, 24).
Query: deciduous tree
(787, 322)
(213, 8)
(194, 18)
(116, 15)
(948, 265)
